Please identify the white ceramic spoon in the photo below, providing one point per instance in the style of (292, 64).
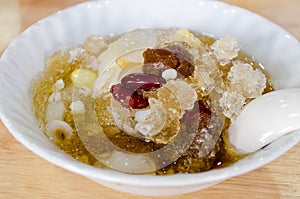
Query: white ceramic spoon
(265, 119)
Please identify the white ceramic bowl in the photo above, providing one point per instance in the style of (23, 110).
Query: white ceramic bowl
(24, 58)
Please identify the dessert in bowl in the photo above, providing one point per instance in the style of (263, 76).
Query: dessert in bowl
(100, 18)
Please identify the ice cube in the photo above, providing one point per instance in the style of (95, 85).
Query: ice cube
(251, 83)
(232, 104)
(225, 49)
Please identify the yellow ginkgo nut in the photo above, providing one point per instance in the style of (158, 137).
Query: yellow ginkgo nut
(83, 77)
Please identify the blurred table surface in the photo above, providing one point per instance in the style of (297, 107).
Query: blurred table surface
(25, 175)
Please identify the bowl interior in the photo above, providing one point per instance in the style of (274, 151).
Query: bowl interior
(277, 50)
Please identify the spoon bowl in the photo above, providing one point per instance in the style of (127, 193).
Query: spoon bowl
(265, 119)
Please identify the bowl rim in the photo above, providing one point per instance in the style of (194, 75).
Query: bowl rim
(144, 180)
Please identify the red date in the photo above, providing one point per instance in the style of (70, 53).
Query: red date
(128, 98)
(142, 81)
(158, 60)
(137, 101)
(200, 115)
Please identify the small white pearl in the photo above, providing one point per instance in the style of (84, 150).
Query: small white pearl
(169, 74)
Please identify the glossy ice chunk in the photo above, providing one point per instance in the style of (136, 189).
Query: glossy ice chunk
(94, 45)
(243, 78)
(232, 104)
(184, 92)
(225, 49)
